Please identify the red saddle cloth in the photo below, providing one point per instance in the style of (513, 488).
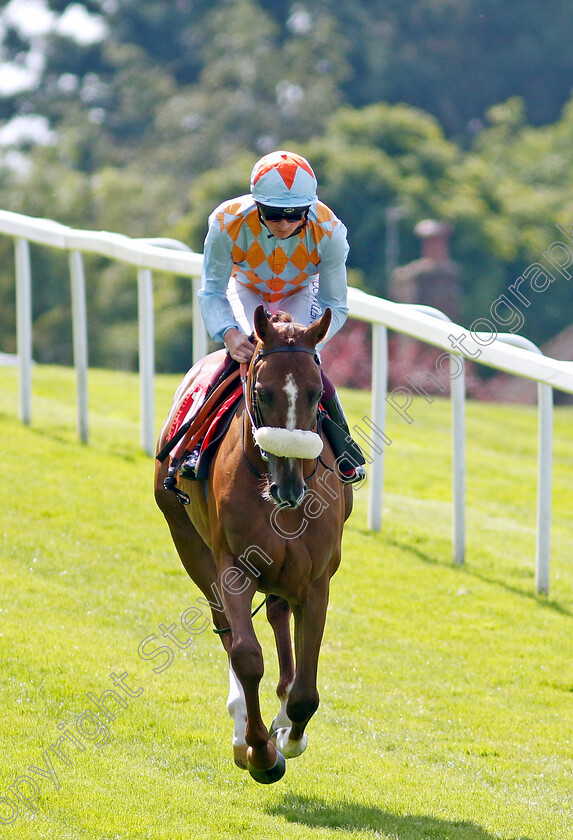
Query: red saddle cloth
(207, 407)
(216, 430)
(204, 377)
(192, 398)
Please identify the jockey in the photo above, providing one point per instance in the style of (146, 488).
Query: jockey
(280, 246)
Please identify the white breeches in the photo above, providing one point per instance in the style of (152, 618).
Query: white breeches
(302, 305)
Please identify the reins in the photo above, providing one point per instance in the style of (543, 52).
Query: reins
(253, 614)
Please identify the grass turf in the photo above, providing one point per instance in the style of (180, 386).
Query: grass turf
(446, 692)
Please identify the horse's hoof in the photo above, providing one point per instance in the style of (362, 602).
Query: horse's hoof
(273, 774)
(290, 749)
(240, 756)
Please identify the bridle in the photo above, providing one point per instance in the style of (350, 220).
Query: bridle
(252, 409)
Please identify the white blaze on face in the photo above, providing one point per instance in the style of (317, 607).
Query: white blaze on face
(288, 441)
(291, 391)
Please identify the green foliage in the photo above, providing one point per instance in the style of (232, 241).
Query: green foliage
(209, 190)
(456, 59)
(514, 186)
(432, 107)
(173, 338)
(378, 157)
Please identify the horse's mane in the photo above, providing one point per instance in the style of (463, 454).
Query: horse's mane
(281, 317)
(289, 328)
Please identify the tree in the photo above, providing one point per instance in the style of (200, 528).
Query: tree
(145, 130)
(455, 60)
(520, 178)
(376, 157)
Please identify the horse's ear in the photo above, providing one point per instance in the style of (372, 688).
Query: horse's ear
(318, 329)
(261, 322)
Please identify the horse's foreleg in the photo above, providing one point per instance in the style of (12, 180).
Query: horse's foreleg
(278, 615)
(265, 763)
(237, 708)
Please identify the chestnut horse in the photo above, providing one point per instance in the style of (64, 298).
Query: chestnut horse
(269, 518)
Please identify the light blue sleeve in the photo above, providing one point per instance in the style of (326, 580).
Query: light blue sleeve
(332, 280)
(217, 269)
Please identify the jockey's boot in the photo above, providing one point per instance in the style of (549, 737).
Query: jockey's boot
(348, 454)
(188, 468)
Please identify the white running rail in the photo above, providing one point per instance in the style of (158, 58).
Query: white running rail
(422, 323)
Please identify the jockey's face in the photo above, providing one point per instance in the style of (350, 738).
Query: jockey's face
(283, 228)
(282, 222)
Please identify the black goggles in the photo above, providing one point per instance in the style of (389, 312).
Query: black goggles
(277, 214)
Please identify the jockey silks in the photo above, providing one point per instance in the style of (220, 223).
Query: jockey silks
(239, 245)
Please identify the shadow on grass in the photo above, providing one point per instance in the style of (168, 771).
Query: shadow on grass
(125, 450)
(351, 816)
(542, 600)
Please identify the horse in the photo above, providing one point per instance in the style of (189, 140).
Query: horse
(269, 518)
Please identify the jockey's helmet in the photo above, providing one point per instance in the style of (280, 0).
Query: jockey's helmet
(283, 179)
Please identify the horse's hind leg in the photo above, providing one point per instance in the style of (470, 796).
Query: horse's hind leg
(303, 697)
(278, 616)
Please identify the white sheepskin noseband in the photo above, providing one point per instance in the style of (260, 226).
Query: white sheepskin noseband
(284, 443)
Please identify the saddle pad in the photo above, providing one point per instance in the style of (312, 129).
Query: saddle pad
(193, 397)
(217, 430)
(210, 372)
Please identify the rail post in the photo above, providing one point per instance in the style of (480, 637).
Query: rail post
(24, 328)
(80, 332)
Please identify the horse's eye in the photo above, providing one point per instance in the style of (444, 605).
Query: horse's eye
(314, 396)
(263, 394)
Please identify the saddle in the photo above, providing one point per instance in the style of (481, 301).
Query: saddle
(205, 426)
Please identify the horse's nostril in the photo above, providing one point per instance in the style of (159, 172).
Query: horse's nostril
(300, 499)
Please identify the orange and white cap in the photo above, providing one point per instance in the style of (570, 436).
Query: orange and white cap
(283, 179)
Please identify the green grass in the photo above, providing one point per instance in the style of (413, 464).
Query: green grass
(446, 692)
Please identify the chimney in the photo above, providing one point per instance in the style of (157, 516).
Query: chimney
(432, 279)
(434, 236)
